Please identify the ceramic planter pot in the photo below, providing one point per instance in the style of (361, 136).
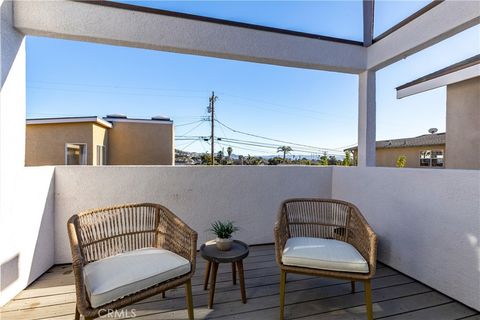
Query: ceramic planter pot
(223, 244)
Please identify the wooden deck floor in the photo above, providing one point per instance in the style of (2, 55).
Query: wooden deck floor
(395, 297)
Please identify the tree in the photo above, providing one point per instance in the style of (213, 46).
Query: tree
(206, 158)
(332, 161)
(274, 161)
(402, 161)
(324, 159)
(285, 150)
(305, 162)
(219, 156)
(347, 161)
(253, 161)
(229, 152)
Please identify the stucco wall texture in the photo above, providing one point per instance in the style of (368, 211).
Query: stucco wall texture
(126, 143)
(248, 195)
(134, 143)
(427, 222)
(388, 157)
(45, 143)
(426, 228)
(463, 124)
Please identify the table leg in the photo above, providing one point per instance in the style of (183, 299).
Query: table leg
(242, 280)
(207, 275)
(213, 280)
(234, 274)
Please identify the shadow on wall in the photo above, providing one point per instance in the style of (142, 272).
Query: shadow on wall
(9, 272)
(43, 254)
(9, 48)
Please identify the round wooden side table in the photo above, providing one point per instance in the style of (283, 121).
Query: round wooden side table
(214, 257)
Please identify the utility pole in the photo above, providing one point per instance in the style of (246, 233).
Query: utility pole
(213, 98)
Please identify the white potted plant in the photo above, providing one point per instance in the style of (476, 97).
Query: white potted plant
(223, 231)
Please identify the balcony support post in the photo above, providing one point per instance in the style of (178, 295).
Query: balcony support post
(366, 119)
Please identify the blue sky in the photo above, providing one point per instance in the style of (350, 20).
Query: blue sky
(68, 78)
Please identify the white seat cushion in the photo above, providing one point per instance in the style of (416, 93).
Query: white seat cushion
(325, 254)
(111, 278)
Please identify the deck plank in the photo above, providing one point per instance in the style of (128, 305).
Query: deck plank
(448, 311)
(395, 296)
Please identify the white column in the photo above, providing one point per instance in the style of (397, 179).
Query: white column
(12, 147)
(368, 18)
(366, 119)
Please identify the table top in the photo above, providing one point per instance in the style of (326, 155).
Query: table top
(210, 252)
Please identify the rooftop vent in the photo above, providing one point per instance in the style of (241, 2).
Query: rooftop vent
(432, 130)
(117, 116)
(160, 117)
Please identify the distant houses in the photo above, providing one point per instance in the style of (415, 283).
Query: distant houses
(113, 140)
(425, 151)
(462, 137)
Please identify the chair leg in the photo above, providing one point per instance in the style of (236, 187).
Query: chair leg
(353, 286)
(163, 295)
(368, 299)
(283, 280)
(188, 293)
(77, 314)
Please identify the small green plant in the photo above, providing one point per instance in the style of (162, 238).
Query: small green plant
(402, 161)
(223, 230)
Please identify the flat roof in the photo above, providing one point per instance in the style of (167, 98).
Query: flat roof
(460, 71)
(155, 121)
(93, 119)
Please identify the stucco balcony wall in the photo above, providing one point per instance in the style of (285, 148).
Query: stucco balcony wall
(248, 195)
(428, 221)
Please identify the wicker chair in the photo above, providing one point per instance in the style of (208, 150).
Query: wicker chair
(327, 219)
(103, 233)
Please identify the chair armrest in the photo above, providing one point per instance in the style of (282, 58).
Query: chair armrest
(78, 262)
(280, 232)
(180, 239)
(362, 237)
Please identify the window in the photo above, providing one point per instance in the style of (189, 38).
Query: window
(101, 155)
(75, 154)
(429, 158)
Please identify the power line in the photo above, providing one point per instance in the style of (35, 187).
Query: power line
(264, 145)
(201, 122)
(280, 105)
(188, 145)
(187, 124)
(276, 140)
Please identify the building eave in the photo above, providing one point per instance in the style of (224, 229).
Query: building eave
(463, 70)
(149, 121)
(70, 120)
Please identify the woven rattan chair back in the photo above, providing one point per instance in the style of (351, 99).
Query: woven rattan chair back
(315, 218)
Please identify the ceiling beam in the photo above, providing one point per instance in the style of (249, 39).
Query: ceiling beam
(463, 70)
(439, 23)
(152, 29)
(368, 22)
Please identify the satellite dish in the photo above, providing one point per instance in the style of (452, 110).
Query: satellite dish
(432, 130)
